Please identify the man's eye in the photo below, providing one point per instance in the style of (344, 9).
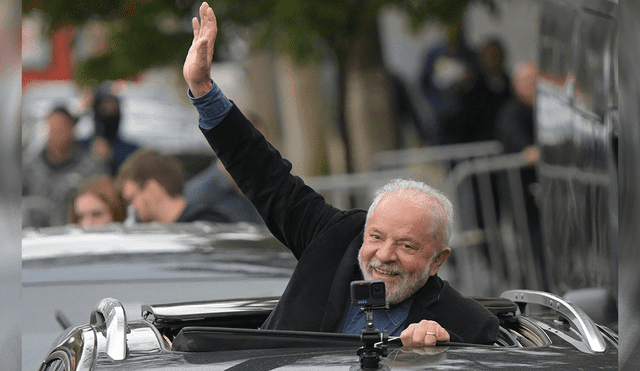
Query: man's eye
(409, 247)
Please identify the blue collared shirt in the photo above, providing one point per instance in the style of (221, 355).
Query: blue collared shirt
(390, 320)
(212, 107)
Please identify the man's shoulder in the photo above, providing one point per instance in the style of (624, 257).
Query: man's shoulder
(348, 219)
(454, 297)
(341, 230)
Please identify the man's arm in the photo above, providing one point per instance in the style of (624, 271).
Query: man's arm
(292, 211)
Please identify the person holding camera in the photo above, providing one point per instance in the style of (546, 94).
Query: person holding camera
(401, 240)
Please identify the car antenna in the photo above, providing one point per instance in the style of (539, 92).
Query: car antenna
(372, 295)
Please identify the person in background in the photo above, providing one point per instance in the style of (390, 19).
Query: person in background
(153, 183)
(50, 179)
(98, 202)
(514, 122)
(492, 91)
(450, 73)
(214, 186)
(515, 129)
(107, 142)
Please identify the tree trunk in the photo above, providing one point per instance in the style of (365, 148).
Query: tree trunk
(303, 113)
(368, 109)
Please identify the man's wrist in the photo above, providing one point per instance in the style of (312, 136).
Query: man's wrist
(198, 90)
(212, 106)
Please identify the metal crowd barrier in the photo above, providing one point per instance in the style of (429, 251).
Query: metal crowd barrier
(445, 153)
(506, 236)
(428, 164)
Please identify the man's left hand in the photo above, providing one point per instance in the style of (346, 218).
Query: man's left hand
(423, 333)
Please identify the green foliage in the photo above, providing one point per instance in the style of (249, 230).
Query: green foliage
(143, 33)
(304, 29)
(299, 27)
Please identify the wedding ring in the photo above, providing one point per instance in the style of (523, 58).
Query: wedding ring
(431, 333)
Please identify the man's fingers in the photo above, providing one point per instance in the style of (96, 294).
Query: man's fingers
(203, 13)
(423, 333)
(420, 336)
(212, 31)
(442, 334)
(207, 17)
(196, 28)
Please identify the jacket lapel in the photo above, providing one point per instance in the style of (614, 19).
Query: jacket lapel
(427, 296)
(340, 295)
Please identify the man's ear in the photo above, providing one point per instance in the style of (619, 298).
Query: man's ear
(438, 260)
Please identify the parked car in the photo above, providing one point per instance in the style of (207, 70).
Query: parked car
(67, 270)
(224, 335)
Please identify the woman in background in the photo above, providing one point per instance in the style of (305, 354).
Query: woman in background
(97, 202)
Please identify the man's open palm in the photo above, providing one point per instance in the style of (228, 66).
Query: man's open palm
(197, 66)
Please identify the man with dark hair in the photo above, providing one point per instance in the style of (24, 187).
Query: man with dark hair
(50, 178)
(153, 183)
(401, 240)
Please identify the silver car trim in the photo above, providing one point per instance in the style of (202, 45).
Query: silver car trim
(579, 319)
(77, 349)
(109, 315)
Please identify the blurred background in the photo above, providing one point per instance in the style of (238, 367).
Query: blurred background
(356, 93)
(10, 224)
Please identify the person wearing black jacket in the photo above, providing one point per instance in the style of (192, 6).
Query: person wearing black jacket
(153, 184)
(401, 240)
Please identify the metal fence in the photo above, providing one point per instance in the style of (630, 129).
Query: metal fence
(490, 199)
(429, 164)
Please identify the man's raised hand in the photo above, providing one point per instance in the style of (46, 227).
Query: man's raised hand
(197, 66)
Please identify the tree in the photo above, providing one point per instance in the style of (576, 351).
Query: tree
(148, 33)
(345, 31)
(142, 33)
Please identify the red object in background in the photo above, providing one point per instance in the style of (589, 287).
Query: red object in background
(61, 65)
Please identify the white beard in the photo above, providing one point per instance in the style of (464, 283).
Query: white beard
(398, 291)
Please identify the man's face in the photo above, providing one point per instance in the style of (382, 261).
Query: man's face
(399, 247)
(60, 131)
(138, 196)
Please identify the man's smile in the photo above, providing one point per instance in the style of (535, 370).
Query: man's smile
(385, 272)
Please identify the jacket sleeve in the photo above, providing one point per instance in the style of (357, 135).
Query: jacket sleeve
(466, 320)
(292, 211)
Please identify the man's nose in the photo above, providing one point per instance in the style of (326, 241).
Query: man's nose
(386, 252)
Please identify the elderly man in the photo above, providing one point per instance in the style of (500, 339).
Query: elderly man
(401, 240)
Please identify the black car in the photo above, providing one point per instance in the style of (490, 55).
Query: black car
(67, 270)
(537, 330)
(223, 281)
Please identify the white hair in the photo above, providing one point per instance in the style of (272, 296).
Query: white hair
(442, 217)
